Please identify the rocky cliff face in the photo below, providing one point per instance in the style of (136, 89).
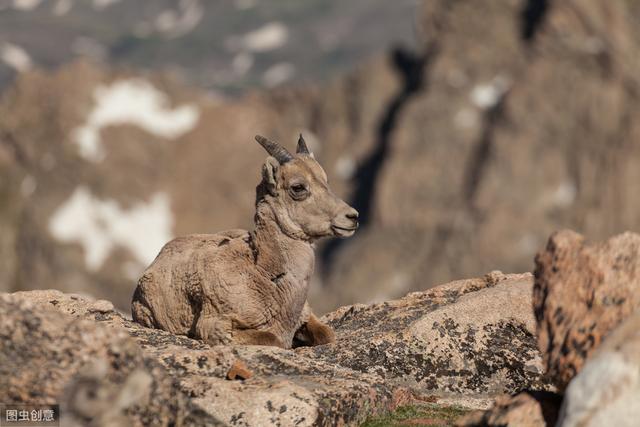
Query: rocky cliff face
(511, 119)
(463, 343)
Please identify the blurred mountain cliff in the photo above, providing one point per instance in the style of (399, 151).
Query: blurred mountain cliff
(502, 121)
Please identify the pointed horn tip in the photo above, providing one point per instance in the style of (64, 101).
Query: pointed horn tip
(274, 149)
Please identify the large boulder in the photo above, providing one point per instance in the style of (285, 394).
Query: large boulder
(582, 292)
(607, 390)
(525, 409)
(98, 375)
(464, 342)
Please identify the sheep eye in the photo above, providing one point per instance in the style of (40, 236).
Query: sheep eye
(298, 191)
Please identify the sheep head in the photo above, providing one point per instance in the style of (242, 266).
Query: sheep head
(295, 187)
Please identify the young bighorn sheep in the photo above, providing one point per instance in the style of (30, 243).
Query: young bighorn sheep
(239, 287)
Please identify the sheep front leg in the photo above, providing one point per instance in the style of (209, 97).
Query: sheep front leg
(212, 330)
(313, 332)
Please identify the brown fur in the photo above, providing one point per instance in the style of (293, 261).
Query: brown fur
(239, 287)
(314, 332)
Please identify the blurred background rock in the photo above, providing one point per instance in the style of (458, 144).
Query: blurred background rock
(464, 132)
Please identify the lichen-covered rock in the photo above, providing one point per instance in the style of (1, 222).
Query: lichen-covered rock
(463, 342)
(97, 374)
(581, 293)
(471, 337)
(607, 390)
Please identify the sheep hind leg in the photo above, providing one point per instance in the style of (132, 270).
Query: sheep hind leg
(141, 314)
(313, 333)
(255, 337)
(212, 330)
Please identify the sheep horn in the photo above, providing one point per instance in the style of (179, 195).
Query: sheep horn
(302, 146)
(274, 149)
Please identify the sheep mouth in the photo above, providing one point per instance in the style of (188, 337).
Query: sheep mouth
(344, 231)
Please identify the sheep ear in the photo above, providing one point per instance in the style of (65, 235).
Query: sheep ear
(269, 173)
(303, 149)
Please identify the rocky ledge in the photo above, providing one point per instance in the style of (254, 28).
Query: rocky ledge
(558, 349)
(462, 343)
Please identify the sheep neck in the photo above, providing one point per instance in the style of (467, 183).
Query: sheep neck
(278, 253)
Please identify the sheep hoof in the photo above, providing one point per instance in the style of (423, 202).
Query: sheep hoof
(313, 333)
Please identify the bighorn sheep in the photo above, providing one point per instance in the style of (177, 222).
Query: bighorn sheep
(239, 287)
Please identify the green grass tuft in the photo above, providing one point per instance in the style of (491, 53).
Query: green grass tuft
(418, 415)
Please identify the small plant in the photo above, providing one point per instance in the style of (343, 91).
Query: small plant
(418, 415)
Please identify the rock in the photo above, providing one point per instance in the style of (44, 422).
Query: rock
(464, 342)
(582, 292)
(525, 409)
(471, 337)
(98, 374)
(607, 389)
(102, 306)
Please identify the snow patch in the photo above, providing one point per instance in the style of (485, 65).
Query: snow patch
(269, 37)
(102, 225)
(15, 57)
(166, 20)
(133, 102)
(176, 23)
(26, 5)
(278, 74)
(565, 194)
(488, 95)
(242, 63)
